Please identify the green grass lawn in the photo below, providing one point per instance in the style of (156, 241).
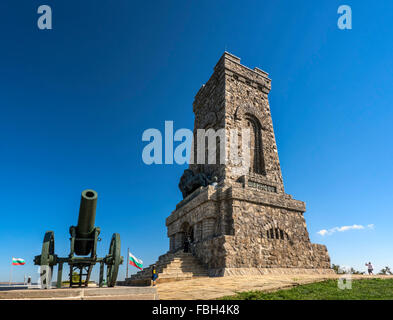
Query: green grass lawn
(367, 289)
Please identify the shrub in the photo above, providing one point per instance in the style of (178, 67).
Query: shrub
(386, 271)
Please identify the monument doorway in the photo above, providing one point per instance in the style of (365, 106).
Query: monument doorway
(188, 236)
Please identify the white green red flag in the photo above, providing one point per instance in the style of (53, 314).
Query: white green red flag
(18, 262)
(135, 261)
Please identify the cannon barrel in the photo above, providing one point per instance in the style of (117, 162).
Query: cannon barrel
(86, 221)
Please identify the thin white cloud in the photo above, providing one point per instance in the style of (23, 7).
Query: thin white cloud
(325, 232)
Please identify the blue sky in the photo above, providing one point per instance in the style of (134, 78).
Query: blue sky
(75, 100)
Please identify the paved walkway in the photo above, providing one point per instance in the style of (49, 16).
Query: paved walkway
(202, 288)
(117, 293)
(212, 288)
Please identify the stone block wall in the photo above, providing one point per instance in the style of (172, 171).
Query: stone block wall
(267, 231)
(232, 95)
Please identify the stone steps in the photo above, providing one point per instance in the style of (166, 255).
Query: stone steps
(170, 267)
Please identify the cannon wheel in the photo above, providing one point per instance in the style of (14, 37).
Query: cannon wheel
(115, 260)
(47, 257)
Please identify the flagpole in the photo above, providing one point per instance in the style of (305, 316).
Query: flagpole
(128, 257)
(10, 274)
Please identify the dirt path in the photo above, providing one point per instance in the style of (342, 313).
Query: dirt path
(213, 288)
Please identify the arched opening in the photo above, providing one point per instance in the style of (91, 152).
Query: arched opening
(188, 236)
(257, 163)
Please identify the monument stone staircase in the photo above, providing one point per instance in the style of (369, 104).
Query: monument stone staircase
(170, 267)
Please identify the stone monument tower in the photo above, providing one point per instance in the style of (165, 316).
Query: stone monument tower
(242, 221)
(245, 223)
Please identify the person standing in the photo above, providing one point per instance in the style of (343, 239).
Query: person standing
(154, 275)
(370, 268)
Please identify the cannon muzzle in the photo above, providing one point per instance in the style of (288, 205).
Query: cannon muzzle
(86, 220)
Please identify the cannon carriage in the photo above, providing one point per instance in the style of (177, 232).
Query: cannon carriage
(82, 257)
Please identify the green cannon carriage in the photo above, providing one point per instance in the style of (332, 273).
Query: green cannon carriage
(83, 257)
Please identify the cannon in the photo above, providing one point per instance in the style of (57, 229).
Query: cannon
(82, 257)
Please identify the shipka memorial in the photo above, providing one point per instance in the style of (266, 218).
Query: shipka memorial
(234, 221)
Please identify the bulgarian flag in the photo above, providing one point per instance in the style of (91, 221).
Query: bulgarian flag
(18, 262)
(135, 261)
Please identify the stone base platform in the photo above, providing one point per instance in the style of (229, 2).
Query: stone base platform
(268, 271)
(238, 272)
(117, 293)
